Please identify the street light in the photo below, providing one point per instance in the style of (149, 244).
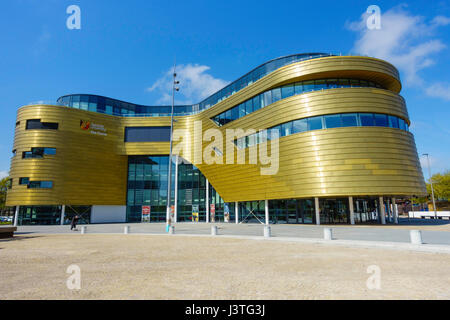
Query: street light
(169, 179)
(431, 182)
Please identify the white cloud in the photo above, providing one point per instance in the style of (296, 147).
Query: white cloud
(195, 84)
(440, 21)
(439, 90)
(3, 174)
(404, 40)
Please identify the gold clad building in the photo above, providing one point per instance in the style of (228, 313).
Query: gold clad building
(343, 152)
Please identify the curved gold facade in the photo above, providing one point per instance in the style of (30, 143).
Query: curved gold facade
(350, 161)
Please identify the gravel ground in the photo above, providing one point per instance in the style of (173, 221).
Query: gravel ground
(175, 267)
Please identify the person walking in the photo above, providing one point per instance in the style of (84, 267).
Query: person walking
(73, 224)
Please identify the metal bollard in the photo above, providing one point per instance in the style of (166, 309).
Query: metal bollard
(214, 230)
(327, 234)
(267, 232)
(83, 229)
(415, 236)
(126, 230)
(171, 230)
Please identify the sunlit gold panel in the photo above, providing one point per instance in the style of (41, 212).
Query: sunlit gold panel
(92, 169)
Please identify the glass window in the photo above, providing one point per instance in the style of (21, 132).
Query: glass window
(343, 83)
(248, 106)
(256, 102)
(251, 140)
(242, 110)
(332, 83)
(366, 119)
(276, 94)
(300, 126)
(315, 123)
(109, 110)
(40, 184)
(333, 121)
(46, 184)
(363, 83)
(222, 119)
(402, 124)
(286, 129)
(287, 91)
(37, 124)
(92, 106)
(349, 119)
(234, 113)
(228, 116)
(23, 181)
(276, 131)
(393, 122)
(308, 86)
(49, 151)
(381, 120)
(241, 143)
(267, 98)
(84, 105)
(320, 84)
(354, 83)
(298, 87)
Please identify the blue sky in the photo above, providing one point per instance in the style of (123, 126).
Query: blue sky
(125, 49)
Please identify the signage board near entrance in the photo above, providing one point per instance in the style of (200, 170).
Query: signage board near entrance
(146, 213)
(213, 212)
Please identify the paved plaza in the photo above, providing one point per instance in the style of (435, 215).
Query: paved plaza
(436, 232)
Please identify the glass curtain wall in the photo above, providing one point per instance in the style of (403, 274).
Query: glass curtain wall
(147, 186)
(191, 193)
(39, 215)
(366, 210)
(292, 211)
(334, 211)
(219, 204)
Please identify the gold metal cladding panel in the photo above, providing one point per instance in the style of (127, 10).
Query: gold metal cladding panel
(374, 161)
(91, 169)
(87, 167)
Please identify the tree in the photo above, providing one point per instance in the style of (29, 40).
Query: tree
(441, 186)
(4, 185)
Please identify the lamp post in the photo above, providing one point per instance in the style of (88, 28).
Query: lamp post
(169, 178)
(431, 182)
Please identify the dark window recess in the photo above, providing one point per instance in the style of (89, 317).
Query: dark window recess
(40, 184)
(37, 124)
(23, 181)
(38, 153)
(147, 134)
(17, 123)
(10, 183)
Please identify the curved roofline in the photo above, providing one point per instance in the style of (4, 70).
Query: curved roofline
(205, 99)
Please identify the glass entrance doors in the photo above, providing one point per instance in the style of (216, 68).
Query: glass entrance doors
(292, 211)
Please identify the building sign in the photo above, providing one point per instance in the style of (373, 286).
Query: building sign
(226, 212)
(213, 212)
(145, 213)
(93, 128)
(195, 210)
